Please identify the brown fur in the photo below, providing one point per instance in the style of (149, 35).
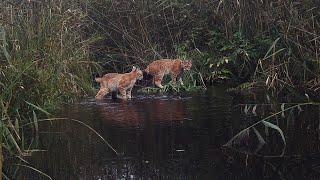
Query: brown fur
(118, 82)
(174, 67)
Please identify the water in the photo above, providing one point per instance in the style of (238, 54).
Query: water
(177, 137)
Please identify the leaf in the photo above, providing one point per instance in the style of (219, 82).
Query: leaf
(274, 53)
(268, 98)
(16, 125)
(9, 137)
(290, 119)
(34, 169)
(254, 110)
(35, 121)
(244, 134)
(282, 109)
(268, 81)
(260, 138)
(271, 47)
(266, 130)
(12, 127)
(270, 125)
(246, 109)
(37, 107)
(4, 44)
(307, 96)
(300, 109)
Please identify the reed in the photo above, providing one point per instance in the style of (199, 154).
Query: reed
(44, 61)
(269, 122)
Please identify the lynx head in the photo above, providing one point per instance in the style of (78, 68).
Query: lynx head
(186, 65)
(138, 73)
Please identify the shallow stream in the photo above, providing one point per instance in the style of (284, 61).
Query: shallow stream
(178, 137)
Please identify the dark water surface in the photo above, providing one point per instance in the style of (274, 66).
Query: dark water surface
(177, 137)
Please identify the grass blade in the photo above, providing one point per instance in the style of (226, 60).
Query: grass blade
(271, 47)
(260, 138)
(34, 169)
(35, 121)
(39, 108)
(79, 122)
(270, 125)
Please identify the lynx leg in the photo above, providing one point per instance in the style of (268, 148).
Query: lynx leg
(129, 93)
(179, 78)
(157, 80)
(174, 78)
(102, 92)
(123, 93)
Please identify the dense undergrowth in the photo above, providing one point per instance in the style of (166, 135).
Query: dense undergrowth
(274, 42)
(50, 49)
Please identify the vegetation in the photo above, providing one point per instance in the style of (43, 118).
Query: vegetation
(245, 133)
(50, 49)
(274, 42)
(44, 61)
(189, 82)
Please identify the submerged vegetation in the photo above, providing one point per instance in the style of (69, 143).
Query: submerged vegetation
(51, 49)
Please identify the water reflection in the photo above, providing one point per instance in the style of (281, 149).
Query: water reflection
(136, 112)
(172, 137)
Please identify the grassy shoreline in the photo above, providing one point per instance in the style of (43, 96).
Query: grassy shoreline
(44, 61)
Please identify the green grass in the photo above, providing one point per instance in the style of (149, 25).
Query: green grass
(190, 82)
(44, 61)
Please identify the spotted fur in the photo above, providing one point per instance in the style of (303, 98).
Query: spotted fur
(123, 83)
(174, 67)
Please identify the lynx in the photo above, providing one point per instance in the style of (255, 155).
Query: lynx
(174, 67)
(119, 82)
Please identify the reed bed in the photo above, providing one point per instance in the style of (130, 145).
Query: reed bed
(44, 61)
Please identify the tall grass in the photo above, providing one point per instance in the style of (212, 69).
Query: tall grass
(44, 60)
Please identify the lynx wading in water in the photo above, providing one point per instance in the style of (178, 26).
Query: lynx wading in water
(118, 82)
(174, 67)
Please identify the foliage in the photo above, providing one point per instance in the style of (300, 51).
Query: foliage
(44, 61)
(190, 82)
(227, 40)
(223, 58)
